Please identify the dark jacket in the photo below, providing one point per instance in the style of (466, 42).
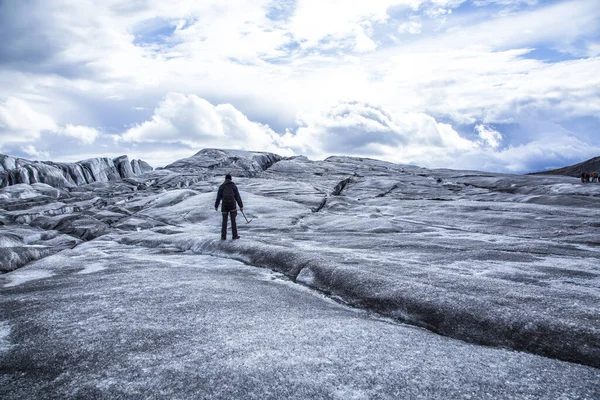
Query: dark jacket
(228, 192)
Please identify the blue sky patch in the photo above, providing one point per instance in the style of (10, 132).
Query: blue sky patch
(281, 10)
(154, 31)
(548, 55)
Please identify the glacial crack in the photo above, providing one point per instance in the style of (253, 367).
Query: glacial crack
(337, 191)
(414, 305)
(339, 188)
(320, 206)
(396, 186)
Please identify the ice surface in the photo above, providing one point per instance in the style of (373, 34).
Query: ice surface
(506, 261)
(21, 244)
(25, 275)
(21, 171)
(91, 268)
(158, 323)
(5, 344)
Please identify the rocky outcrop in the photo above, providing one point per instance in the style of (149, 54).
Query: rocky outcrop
(20, 244)
(18, 170)
(139, 167)
(235, 162)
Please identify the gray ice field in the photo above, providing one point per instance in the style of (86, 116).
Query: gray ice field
(356, 279)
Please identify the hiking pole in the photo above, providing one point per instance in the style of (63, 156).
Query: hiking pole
(245, 216)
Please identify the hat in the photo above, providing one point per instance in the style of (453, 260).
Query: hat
(227, 177)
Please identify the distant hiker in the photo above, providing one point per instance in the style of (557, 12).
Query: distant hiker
(228, 192)
(595, 177)
(585, 177)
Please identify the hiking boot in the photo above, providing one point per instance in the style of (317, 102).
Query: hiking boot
(223, 238)
(236, 237)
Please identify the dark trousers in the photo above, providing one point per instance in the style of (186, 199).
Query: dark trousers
(233, 224)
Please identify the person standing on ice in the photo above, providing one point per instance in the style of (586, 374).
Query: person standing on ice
(228, 193)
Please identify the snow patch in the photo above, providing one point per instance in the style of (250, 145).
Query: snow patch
(306, 277)
(21, 276)
(574, 189)
(8, 241)
(90, 269)
(4, 334)
(350, 394)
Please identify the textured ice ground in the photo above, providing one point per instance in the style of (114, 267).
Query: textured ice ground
(155, 324)
(153, 302)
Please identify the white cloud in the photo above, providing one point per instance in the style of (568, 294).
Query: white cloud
(482, 3)
(20, 123)
(363, 42)
(315, 20)
(356, 128)
(452, 73)
(552, 150)
(413, 26)
(360, 129)
(475, 85)
(33, 152)
(83, 134)
(232, 29)
(593, 49)
(559, 24)
(489, 136)
(179, 118)
(350, 128)
(193, 121)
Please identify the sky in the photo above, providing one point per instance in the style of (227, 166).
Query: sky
(493, 85)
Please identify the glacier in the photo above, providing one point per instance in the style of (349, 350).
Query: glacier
(356, 278)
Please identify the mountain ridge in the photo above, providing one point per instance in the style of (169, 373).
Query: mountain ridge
(575, 170)
(15, 170)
